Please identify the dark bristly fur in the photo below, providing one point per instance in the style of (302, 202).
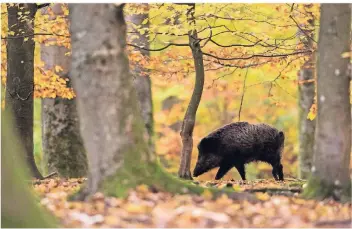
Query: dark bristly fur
(237, 144)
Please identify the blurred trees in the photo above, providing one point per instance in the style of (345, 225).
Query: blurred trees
(306, 91)
(227, 47)
(141, 75)
(232, 38)
(332, 147)
(116, 140)
(63, 149)
(20, 75)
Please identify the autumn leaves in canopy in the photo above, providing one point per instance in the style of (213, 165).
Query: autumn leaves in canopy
(251, 55)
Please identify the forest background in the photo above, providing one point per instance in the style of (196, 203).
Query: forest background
(259, 90)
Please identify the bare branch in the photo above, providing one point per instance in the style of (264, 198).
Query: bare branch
(43, 5)
(160, 49)
(249, 19)
(292, 6)
(258, 55)
(234, 45)
(243, 91)
(223, 76)
(34, 34)
(303, 31)
(240, 66)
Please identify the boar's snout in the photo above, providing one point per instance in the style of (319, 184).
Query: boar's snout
(197, 170)
(206, 163)
(201, 167)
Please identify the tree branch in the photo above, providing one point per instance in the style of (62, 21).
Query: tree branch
(248, 19)
(234, 45)
(43, 5)
(244, 89)
(258, 55)
(34, 34)
(303, 31)
(156, 50)
(240, 66)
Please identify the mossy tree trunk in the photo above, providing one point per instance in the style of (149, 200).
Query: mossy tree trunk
(20, 76)
(306, 100)
(111, 123)
(190, 116)
(62, 143)
(18, 206)
(141, 78)
(330, 172)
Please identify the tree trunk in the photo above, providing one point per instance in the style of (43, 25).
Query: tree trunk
(330, 173)
(20, 81)
(142, 82)
(306, 91)
(111, 125)
(18, 207)
(190, 116)
(62, 144)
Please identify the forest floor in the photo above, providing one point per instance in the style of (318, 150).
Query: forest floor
(280, 206)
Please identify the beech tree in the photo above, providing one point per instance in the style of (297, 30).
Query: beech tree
(332, 148)
(112, 128)
(20, 75)
(306, 90)
(63, 149)
(141, 78)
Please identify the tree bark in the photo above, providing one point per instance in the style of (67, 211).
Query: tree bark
(190, 116)
(62, 143)
(306, 92)
(111, 124)
(141, 78)
(18, 207)
(20, 81)
(330, 173)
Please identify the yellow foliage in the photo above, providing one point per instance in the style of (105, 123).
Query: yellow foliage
(271, 87)
(312, 112)
(47, 83)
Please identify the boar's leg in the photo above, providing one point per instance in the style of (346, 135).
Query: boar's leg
(277, 171)
(240, 168)
(224, 168)
(274, 172)
(280, 172)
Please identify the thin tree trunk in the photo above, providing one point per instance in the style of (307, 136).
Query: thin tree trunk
(18, 206)
(20, 81)
(330, 173)
(111, 125)
(141, 78)
(306, 100)
(190, 116)
(62, 144)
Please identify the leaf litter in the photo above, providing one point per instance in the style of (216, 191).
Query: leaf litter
(144, 208)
